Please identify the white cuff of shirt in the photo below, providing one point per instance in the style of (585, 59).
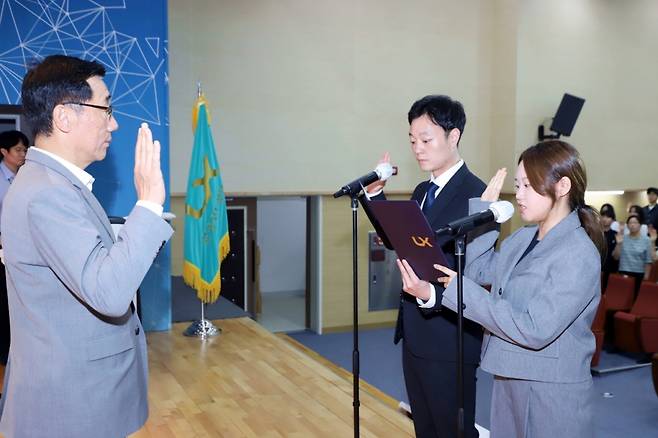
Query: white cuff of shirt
(153, 206)
(372, 195)
(429, 303)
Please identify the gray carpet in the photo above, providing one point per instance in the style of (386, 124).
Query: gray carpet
(626, 404)
(185, 306)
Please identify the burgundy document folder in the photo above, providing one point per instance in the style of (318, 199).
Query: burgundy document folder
(403, 225)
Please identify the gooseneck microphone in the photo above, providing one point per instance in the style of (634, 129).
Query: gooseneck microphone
(500, 211)
(382, 172)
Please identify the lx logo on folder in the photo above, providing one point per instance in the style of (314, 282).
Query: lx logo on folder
(421, 241)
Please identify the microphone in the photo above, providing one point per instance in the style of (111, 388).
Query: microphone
(500, 211)
(382, 172)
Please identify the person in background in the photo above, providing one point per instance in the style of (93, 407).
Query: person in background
(650, 211)
(13, 147)
(639, 212)
(614, 226)
(635, 251)
(545, 279)
(610, 264)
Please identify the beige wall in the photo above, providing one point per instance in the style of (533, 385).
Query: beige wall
(307, 95)
(603, 51)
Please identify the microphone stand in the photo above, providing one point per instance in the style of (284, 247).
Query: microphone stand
(355, 301)
(460, 261)
(460, 250)
(355, 298)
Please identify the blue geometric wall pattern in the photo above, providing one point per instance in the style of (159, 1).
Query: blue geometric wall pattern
(90, 30)
(129, 37)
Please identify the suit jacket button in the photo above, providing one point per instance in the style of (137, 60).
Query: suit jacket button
(136, 331)
(500, 291)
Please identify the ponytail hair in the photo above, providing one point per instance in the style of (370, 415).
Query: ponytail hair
(589, 219)
(545, 164)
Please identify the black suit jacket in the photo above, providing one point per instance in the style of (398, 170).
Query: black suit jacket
(432, 333)
(651, 216)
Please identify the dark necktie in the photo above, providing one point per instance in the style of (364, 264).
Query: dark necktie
(430, 197)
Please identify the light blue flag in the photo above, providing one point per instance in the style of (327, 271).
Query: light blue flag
(206, 224)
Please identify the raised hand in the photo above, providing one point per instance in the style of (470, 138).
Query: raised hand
(379, 185)
(492, 192)
(149, 182)
(620, 234)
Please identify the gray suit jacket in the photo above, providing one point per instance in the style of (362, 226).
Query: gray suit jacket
(539, 313)
(77, 362)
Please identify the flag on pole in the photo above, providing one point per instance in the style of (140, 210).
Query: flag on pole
(206, 224)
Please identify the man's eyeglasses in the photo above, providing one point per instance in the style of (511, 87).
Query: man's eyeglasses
(107, 109)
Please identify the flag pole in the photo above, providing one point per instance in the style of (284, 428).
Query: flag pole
(202, 328)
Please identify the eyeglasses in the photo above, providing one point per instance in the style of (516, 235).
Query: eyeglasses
(107, 109)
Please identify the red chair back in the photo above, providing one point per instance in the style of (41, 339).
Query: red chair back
(599, 319)
(653, 276)
(620, 292)
(646, 304)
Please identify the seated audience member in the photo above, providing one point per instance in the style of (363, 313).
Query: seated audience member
(635, 251)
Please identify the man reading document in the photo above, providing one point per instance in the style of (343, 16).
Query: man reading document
(429, 349)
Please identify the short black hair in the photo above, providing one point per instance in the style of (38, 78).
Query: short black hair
(637, 211)
(54, 80)
(9, 139)
(442, 111)
(609, 211)
(633, 215)
(652, 190)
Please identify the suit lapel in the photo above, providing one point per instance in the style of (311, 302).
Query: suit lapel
(89, 198)
(515, 253)
(553, 237)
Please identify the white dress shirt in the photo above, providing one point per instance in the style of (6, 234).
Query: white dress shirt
(440, 181)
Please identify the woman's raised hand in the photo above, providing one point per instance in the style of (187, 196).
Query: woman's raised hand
(492, 192)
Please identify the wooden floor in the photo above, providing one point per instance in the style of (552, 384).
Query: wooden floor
(251, 383)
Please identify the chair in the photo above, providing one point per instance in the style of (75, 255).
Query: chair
(637, 330)
(620, 292)
(598, 328)
(653, 275)
(619, 295)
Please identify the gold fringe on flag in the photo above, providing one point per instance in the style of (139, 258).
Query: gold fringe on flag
(207, 292)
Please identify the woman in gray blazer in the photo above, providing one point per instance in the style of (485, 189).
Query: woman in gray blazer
(545, 289)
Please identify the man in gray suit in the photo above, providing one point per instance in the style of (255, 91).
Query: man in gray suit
(77, 362)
